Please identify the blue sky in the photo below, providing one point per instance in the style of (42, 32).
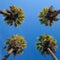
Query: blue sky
(30, 29)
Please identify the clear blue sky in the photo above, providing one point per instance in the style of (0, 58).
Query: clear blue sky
(30, 29)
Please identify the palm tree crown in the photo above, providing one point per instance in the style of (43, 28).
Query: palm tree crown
(45, 42)
(48, 16)
(13, 16)
(17, 43)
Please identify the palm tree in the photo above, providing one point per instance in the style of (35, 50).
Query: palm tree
(47, 45)
(48, 16)
(14, 46)
(13, 16)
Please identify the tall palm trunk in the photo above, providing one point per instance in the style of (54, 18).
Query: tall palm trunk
(52, 54)
(4, 13)
(7, 55)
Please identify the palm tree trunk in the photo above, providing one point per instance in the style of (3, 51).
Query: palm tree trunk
(4, 13)
(7, 55)
(56, 13)
(52, 54)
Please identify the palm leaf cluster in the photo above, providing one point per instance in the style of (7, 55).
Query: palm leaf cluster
(45, 42)
(16, 16)
(17, 43)
(48, 16)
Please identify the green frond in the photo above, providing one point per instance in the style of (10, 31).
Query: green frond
(8, 41)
